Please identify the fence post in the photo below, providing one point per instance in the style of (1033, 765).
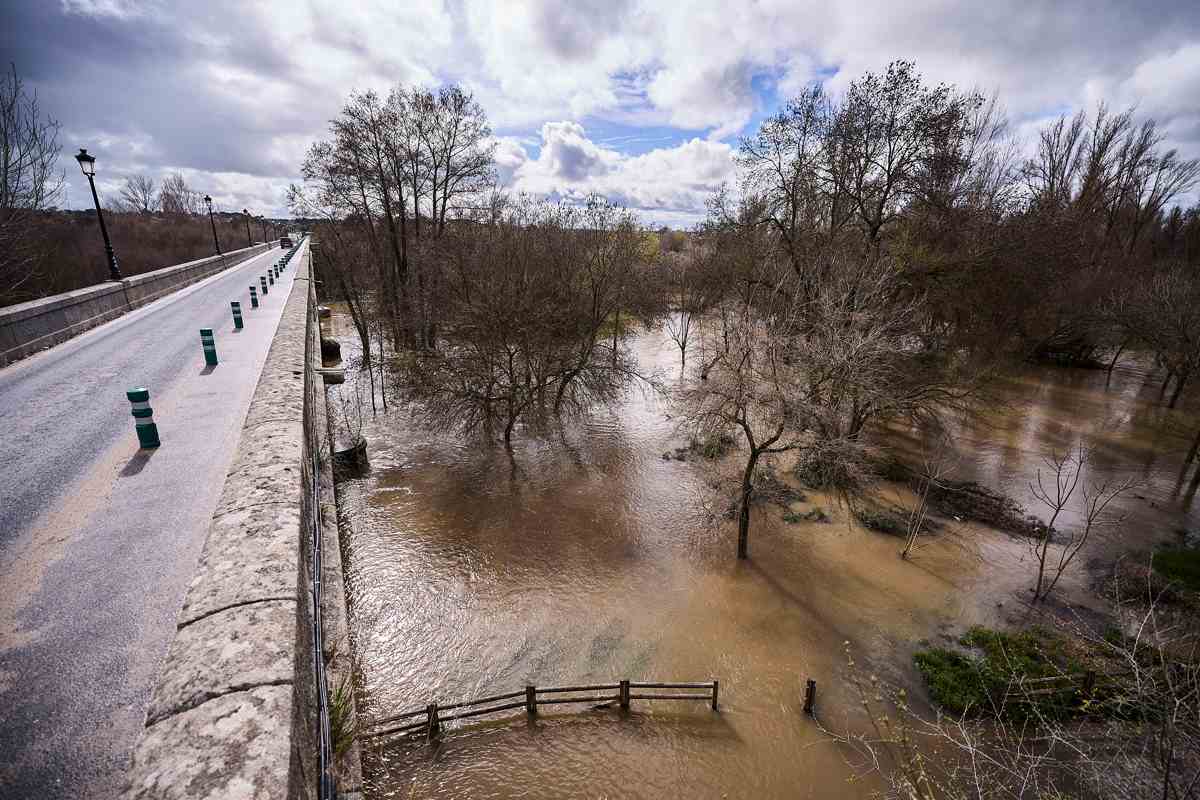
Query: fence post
(530, 700)
(210, 346)
(810, 697)
(254, 297)
(237, 314)
(624, 695)
(435, 724)
(716, 686)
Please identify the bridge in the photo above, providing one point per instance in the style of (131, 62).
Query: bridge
(157, 614)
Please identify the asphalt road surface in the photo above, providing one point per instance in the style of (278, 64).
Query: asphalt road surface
(98, 540)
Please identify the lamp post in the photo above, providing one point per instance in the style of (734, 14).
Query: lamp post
(213, 222)
(249, 241)
(87, 163)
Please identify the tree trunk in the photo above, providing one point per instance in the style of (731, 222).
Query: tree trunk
(1163, 389)
(616, 327)
(1180, 382)
(1191, 490)
(508, 429)
(1113, 361)
(743, 545)
(1191, 454)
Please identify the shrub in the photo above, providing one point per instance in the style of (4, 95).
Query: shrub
(1001, 660)
(954, 681)
(1178, 564)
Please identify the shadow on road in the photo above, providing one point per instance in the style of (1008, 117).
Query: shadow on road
(139, 461)
(208, 369)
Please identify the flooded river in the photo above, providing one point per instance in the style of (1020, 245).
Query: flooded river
(586, 557)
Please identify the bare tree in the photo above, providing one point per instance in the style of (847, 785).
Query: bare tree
(683, 300)
(753, 386)
(1066, 471)
(140, 194)
(527, 290)
(805, 363)
(29, 182)
(935, 468)
(1165, 314)
(176, 197)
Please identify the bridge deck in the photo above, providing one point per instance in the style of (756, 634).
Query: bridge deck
(98, 540)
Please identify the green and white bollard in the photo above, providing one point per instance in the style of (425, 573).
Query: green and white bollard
(254, 297)
(262, 279)
(271, 278)
(237, 314)
(210, 346)
(143, 417)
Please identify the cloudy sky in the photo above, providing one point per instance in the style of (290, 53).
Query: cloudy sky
(641, 101)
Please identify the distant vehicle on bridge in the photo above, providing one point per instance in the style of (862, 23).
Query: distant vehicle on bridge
(285, 242)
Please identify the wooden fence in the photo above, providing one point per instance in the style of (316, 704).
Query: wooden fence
(1082, 684)
(429, 720)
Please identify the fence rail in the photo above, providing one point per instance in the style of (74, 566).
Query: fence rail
(433, 716)
(1082, 684)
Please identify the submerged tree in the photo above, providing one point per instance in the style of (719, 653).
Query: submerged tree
(527, 293)
(1058, 488)
(802, 365)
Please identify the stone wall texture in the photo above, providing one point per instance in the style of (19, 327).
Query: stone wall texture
(234, 712)
(29, 327)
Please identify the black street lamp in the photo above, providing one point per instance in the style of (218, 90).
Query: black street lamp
(249, 241)
(213, 222)
(88, 165)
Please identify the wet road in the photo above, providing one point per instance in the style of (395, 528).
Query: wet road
(98, 540)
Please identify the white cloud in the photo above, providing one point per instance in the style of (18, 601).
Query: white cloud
(666, 186)
(243, 86)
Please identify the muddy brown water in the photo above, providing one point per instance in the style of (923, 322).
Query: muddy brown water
(586, 557)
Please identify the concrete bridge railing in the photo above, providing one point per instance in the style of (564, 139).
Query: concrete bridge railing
(29, 327)
(234, 713)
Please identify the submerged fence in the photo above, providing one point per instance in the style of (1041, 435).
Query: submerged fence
(531, 697)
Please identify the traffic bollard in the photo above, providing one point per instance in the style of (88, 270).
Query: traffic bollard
(143, 417)
(262, 279)
(210, 346)
(237, 314)
(254, 297)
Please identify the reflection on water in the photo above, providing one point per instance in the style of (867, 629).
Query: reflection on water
(585, 557)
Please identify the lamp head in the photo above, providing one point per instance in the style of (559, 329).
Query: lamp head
(86, 163)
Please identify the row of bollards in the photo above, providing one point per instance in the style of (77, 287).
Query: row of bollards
(139, 397)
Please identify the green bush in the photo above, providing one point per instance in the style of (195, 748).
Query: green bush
(954, 680)
(1179, 565)
(714, 445)
(961, 682)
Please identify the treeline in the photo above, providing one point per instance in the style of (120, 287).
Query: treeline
(889, 248)
(1020, 254)
(880, 254)
(70, 249)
